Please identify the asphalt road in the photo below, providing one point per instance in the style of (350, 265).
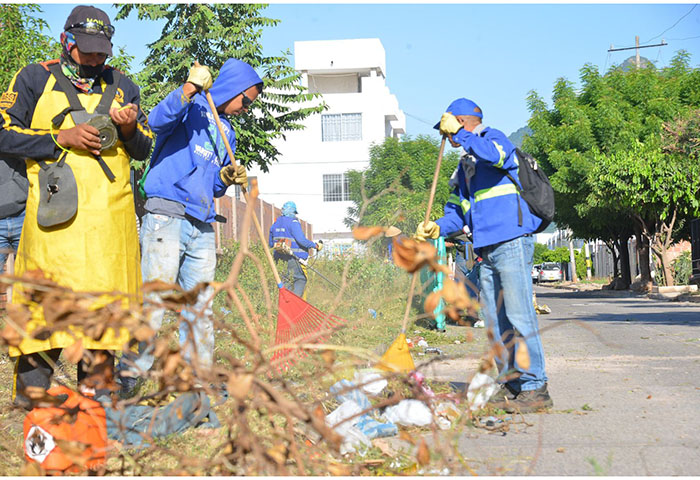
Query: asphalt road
(624, 375)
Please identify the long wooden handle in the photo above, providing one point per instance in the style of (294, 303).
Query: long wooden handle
(261, 234)
(425, 222)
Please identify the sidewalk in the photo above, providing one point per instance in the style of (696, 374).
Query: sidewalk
(623, 372)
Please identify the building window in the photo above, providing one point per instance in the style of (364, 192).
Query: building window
(341, 127)
(336, 188)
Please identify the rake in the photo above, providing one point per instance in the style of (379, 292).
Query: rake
(297, 321)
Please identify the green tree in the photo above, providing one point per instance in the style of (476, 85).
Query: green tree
(22, 40)
(603, 122)
(540, 248)
(211, 34)
(394, 189)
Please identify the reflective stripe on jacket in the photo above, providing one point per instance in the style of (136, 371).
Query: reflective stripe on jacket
(488, 201)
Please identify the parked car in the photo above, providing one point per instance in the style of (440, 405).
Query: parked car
(550, 272)
(536, 272)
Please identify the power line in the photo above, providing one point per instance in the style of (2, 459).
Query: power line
(669, 28)
(681, 39)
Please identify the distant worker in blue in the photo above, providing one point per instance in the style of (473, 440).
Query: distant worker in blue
(291, 245)
(487, 205)
(188, 168)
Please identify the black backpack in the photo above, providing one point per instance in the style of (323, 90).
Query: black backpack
(536, 190)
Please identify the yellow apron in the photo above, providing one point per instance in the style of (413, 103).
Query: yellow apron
(96, 251)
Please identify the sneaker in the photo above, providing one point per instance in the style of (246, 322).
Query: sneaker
(527, 401)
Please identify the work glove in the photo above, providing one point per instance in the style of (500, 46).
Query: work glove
(431, 230)
(231, 174)
(319, 246)
(449, 125)
(200, 77)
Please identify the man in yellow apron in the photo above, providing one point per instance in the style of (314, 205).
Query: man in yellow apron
(80, 227)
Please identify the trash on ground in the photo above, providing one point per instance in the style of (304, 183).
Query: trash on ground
(409, 413)
(433, 350)
(422, 343)
(371, 381)
(419, 378)
(481, 389)
(446, 414)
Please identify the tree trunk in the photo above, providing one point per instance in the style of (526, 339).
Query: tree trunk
(624, 256)
(643, 259)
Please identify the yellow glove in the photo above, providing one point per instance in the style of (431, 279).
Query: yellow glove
(431, 230)
(231, 174)
(319, 246)
(200, 77)
(449, 125)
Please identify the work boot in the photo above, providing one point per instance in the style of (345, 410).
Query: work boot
(527, 401)
(504, 392)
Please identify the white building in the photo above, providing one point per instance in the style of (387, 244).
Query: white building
(351, 76)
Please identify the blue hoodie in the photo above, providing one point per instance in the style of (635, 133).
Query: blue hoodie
(189, 152)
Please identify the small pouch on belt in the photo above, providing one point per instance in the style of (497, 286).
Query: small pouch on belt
(58, 198)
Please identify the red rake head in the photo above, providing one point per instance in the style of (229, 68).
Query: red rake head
(299, 322)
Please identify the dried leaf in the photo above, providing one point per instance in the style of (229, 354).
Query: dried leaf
(405, 436)
(384, 447)
(170, 364)
(365, 233)
(339, 469)
(522, 356)
(74, 353)
(423, 455)
(144, 333)
(328, 356)
(561, 450)
(35, 393)
(32, 469)
(19, 314)
(239, 385)
(11, 336)
(411, 255)
(431, 302)
(278, 453)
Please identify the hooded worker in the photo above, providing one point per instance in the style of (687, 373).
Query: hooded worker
(188, 168)
(77, 122)
(291, 245)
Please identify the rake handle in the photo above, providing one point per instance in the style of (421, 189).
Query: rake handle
(275, 273)
(433, 187)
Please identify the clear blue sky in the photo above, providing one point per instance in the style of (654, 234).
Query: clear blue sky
(493, 54)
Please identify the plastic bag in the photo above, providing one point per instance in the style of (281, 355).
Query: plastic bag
(409, 413)
(480, 390)
(372, 382)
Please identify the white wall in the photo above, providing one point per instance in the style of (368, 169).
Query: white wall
(305, 158)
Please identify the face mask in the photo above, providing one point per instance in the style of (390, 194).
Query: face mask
(88, 71)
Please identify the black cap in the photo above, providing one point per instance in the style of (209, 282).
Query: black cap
(95, 42)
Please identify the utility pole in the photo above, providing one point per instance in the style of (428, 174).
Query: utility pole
(637, 47)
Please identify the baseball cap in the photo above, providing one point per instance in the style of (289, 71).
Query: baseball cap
(462, 106)
(91, 28)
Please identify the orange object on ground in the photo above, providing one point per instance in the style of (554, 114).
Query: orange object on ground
(299, 322)
(69, 438)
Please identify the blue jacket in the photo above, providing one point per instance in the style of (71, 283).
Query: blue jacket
(290, 227)
(189, 152)
(487, 201)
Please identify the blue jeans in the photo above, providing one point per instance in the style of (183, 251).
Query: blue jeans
(10, 230)
(505, 270)
(182, 251)
(298, 280)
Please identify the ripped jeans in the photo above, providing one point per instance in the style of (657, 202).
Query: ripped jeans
(182, 251)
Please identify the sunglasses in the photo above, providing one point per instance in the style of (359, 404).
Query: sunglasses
(94, 28)
(246, 102)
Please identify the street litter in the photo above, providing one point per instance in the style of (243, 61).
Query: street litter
(446, 414)
(372, 382)
(422, 343)
(433, 350)
(409, 413)
(481, 389)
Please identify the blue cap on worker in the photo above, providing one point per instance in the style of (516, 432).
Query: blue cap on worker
(289, 209)
(462, 106)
